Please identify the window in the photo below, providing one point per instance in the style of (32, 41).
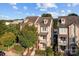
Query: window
(62, 20)
(62, 30)
(44, 29)
(44, 45)
(44, 37)
(73, 49)
(73, 39)
(63, 47)
(45, 21)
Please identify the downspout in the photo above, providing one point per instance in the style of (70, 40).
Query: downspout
(74, 32)
(68, 41)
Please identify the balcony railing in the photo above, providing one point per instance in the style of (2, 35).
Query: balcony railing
(43, 41)
(62, 42)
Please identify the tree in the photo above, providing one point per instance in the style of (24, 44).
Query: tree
(49, 51)
(46, 15)
(3, 28)
(55, 21)
(8, 39)
(28, 36)
(72, 14)
(14, 28)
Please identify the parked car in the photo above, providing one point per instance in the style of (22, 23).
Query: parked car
(2, 53)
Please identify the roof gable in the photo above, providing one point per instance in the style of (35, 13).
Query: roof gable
(41, 21)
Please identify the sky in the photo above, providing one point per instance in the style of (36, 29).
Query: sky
(22, 10)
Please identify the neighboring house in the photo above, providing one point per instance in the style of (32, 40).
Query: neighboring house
(44, 29)
(8, 22)
(30, 20)
(68, 36)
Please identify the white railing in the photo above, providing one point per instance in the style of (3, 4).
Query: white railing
(63, 42)
(43, 41)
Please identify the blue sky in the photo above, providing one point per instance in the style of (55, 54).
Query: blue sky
(22, 10)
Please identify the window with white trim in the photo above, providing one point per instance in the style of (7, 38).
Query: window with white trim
(62, 20)
(62, 30)
(43, 29)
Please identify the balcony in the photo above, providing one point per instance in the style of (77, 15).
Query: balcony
(43, 30)
(43, 41)
(62, 43)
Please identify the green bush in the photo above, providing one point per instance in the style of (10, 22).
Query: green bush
(18, 49)
(7, 39)
(40, 52)
(49, 51)
(2, 48)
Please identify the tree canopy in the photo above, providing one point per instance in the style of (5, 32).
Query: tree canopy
(8, 39)
(72, 14)
(55, 22)
(28, 36)
(46, 15)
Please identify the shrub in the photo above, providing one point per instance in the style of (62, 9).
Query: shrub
(40, 52)
(18, 49)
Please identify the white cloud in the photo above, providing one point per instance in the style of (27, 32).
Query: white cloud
(42, 9)
(25, 8)
(46, 5)
(72, 4)
(75, 4)
(62, 11)
(69, 4)
(4, 17)
(33, 14)
(54, 14)
(15, 7)
(69, 11)
(12, 3)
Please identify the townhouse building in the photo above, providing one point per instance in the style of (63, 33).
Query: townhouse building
(68, 34)
(44, 30)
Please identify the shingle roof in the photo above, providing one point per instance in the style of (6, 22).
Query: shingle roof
(40, 21)
(69, 20)
(31, 18)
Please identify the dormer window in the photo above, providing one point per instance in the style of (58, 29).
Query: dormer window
(45, 21)
(62, 21)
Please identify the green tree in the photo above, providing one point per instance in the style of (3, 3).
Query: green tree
(3, 28)
(55, 23)
(49, 52)
(72, 14)
(46, 15)
(28, 36)
(8, 39)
